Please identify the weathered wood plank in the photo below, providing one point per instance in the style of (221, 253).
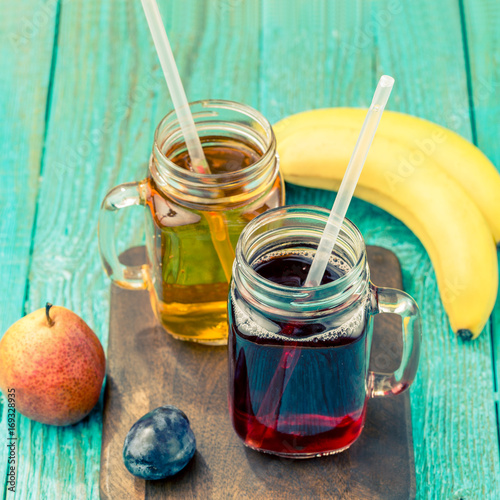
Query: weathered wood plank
(311, 57)
(218, 51)
(481, 23)
(454, 418)
(108, 96)
(26, 40)
(453, 402)
(98, 135)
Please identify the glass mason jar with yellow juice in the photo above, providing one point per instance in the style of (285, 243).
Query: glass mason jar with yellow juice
(193, 220)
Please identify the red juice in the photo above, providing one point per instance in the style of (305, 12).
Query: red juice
(298, 388)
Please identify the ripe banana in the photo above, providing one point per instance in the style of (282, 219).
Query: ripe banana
(424, 141)
(314, 150)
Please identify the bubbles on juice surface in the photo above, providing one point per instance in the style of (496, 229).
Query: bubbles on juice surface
(253, 323)
(334, 261)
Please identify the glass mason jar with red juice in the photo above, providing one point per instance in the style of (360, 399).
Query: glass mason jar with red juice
(298, 356)
(194, 220)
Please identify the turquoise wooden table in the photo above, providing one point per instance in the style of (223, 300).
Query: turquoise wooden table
(81, 93)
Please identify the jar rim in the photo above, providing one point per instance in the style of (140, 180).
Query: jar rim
(326, 290)
(226, 177)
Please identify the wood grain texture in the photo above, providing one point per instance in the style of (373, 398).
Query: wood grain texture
(108, 96)
(421, 46)
(441, 426)
(147, 368)
(481, 25)
(98, 134)
(25, 62)
(282, 57)
(218, 51)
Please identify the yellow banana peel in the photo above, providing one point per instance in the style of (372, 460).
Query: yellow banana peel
(448, 196)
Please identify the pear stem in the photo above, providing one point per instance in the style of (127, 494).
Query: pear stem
(50, 321)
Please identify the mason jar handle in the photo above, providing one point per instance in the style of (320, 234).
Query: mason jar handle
(390, 300)
(122, 196)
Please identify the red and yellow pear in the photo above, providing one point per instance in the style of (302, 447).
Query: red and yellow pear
(54, 363)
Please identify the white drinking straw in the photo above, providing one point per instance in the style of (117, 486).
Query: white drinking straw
(348, 185)
(268, 410)
(216, 221)
(167, 61)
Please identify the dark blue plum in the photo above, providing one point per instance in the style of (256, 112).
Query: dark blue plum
(159, 444)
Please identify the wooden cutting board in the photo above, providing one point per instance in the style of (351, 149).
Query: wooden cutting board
(147, 368)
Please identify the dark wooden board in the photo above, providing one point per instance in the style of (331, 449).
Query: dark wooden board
(147, 369)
